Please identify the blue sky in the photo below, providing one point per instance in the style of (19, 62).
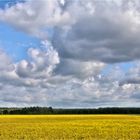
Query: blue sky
(66, 54)
(16, 43)
(3, 3)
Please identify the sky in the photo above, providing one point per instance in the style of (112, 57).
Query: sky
(70, 53)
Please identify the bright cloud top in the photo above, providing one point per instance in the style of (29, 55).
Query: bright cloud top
(80, 39)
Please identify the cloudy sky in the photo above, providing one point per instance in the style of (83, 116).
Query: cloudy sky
(70, 53)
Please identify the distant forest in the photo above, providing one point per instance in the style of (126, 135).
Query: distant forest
(50, 110)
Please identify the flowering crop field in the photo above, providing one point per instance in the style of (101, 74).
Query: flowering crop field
(70, 127)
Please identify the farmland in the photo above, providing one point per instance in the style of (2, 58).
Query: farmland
(70, 127)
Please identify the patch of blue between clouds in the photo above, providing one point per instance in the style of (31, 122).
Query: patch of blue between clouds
(16, 43)
(123, 66)
(9, 3)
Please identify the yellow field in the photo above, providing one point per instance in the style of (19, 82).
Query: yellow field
(69, 127)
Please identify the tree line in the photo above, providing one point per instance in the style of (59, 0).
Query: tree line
(50, 110)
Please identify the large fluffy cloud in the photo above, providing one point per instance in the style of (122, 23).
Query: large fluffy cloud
(41, 64)
(108, 34)
(34, 17)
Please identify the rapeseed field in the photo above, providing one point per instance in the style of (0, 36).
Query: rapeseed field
(69, 127)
